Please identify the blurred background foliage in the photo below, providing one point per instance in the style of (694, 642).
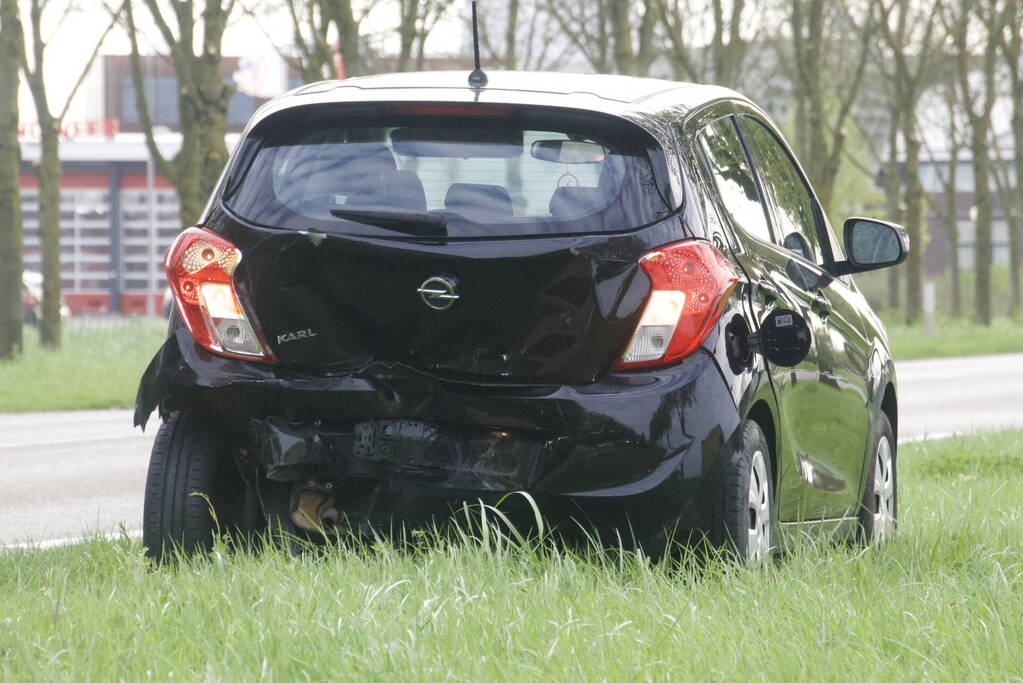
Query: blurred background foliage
(899, 109)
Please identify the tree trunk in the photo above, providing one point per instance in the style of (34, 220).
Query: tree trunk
(421, 55)
(203, 97)
(48, 170)
(49, 174)
(913, 219)
(316, 58)
(188, 163)
(11, 314)
(1014, 230)
(813, 143)
(407, 32)
(893, 199)
(982, 239)
(348, 34)
(821, 106)
(894, 296)
(1012, 221)
(952, 230)
(621, 30)
(213, 126)
(511, 60)
(735, 51)
(190, 199)
(586, 26)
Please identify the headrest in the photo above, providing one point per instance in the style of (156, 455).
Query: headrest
(404, 191)
(357, 159)
(572, 202)
(377, 154)
(475, 200)
(358, 172)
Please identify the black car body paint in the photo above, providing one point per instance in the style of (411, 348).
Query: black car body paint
(510, 389)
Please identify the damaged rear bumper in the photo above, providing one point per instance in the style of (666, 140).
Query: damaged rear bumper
(639, 444)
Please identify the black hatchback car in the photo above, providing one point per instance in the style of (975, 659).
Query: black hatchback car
(620, 295)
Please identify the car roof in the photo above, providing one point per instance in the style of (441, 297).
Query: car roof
(600, 92)
(609, 87)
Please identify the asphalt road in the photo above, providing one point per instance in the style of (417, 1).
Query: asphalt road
(960, 395)
(71, 473)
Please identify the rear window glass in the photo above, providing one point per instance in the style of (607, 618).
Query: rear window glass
(475, 170)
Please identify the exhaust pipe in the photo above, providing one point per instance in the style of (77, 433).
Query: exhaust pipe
(313, 505)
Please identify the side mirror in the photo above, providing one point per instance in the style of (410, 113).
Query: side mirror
(783, 338)
(872, 244)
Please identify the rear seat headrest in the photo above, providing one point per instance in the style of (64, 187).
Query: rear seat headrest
(374, 154)
(404, 191)
(571, 202)
(477, 200)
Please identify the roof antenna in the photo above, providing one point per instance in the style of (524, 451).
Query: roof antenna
(477, 79)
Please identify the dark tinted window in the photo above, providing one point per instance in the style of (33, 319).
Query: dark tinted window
(790, 198)
(733, 178)
(504, 171)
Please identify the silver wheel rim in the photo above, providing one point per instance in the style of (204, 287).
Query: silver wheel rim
(884, 491)
(758, 540)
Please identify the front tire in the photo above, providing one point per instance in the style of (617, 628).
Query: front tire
(747, 526)
(193, 488)
(878, 514)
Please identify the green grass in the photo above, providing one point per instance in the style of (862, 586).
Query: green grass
(943, 601)
(953, 338)
(98, 366)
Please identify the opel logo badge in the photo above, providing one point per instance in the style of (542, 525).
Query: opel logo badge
(438, 293)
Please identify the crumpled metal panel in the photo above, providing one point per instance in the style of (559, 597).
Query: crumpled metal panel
(624, 433)
(553, 310)
(413, 451)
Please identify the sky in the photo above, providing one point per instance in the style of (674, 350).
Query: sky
(71, 42)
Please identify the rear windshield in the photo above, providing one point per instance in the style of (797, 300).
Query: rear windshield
(474, 170)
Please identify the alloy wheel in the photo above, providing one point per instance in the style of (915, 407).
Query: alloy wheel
(758, 541)
(884, 491)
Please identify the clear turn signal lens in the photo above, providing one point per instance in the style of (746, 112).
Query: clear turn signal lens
(691, 282)
(200, 267)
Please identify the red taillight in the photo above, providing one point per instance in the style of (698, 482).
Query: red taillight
(199, 266)
(690, 285)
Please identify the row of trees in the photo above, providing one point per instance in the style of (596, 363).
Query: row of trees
(853, 78)
(857, 73)
(18, 61)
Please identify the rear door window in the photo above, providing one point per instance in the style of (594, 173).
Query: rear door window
(733, 178)
(484, 171)
(791, 200)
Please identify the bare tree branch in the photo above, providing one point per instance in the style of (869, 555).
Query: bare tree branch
(163, 166)
(89, 62)
(161, 24)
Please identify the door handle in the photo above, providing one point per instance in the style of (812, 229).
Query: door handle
(768, 292)
(820, 305)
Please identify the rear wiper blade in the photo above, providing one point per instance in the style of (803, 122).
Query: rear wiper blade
(409, 222)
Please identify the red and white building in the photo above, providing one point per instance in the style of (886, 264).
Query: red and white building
(116, 220)
(117, 217)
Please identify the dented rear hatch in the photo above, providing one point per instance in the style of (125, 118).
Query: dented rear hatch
(484, 243)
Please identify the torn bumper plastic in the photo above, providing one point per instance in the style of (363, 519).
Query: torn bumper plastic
(638, 437)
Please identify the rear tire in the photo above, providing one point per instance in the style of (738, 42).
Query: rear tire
(878, 514)
(193, 489)
(748, 521)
